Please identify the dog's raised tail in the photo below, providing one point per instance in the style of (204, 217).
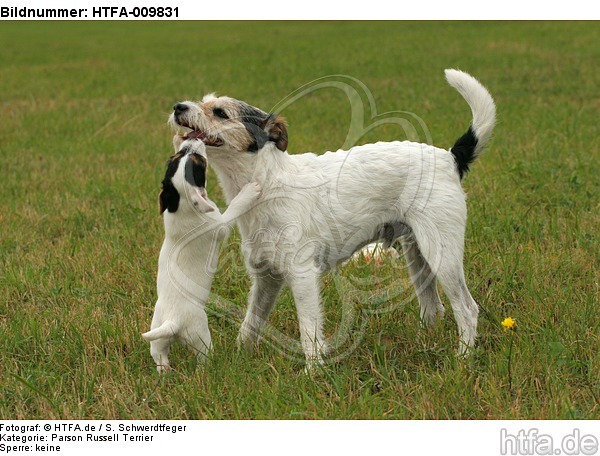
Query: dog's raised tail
(167, 329)
(468, 147)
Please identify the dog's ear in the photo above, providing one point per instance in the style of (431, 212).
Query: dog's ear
(168, 198)
(277, 131)
(259, 135)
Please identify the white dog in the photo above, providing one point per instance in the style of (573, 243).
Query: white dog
(317, 210)
(194, 228)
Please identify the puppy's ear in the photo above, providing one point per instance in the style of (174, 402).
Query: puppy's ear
(168, 198)
(195, 170)
(277, 131)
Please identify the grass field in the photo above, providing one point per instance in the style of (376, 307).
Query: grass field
(83, 149)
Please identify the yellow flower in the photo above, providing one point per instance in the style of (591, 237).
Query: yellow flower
(508, 323)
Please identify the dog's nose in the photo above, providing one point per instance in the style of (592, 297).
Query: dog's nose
(180, 107)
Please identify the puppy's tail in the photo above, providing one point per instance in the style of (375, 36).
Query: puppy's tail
(468, 147)
(167, 329)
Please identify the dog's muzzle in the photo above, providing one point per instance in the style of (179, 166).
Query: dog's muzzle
(180, 110)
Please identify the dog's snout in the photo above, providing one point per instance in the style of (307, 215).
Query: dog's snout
(180, 107)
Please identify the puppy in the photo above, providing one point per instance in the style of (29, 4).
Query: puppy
(194, 228)
(317, 210)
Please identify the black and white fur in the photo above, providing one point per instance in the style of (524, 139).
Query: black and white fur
(317, 210)
(194, 229)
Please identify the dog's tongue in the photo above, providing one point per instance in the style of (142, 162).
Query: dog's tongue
(194, 134)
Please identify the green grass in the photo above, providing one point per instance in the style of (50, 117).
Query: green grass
(83, 148)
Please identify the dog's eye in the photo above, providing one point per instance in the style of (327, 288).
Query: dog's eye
(220, 113)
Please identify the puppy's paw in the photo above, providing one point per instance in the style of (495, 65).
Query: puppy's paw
(244, 201)
(249, 193)
(177, 141)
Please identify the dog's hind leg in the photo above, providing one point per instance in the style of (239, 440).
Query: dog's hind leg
(263, 295)
(442, 246)
(463, 305)
(424, 282)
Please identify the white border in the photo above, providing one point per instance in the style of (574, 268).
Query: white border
(343, 9)
(344, 438)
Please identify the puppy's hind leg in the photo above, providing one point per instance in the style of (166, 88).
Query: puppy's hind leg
(159, 349)
(424, 282)
(160, 338)
(197, 337)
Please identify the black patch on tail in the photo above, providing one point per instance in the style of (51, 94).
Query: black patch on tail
(464, 151)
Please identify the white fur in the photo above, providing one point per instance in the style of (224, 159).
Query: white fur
(480, 101)
(317, 210)
(187, 263)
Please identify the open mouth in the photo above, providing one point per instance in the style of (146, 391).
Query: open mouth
(207, 139)
(204, 137)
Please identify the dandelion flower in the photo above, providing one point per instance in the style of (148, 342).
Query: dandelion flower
(508, 323)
